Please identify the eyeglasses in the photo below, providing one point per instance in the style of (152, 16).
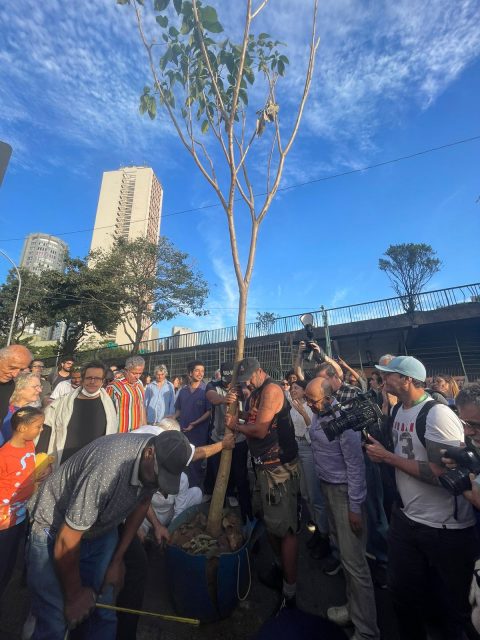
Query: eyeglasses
(472, 424)
(311, 401)
(93, 379)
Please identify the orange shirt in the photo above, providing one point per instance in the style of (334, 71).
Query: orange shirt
(17, 482)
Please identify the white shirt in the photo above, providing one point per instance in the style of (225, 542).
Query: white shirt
(301, 429)
(62, 389)
(425, 503)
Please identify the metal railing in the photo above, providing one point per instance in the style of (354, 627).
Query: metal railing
(385, 308)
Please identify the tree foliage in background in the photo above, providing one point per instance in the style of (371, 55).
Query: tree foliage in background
(266, 320)
(409, 266)
(74, 297)
(153, 282)
(206, 82)
(30, 304)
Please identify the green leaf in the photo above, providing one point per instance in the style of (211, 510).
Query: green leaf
(263, 36)
(208, 14)
(162, 21)
(187, 26)
(123, 1)
(173, 32)
(187, 9)
(178, 6)
(161, 5)
(213, 27)
(249, 75)
(205, 126)
(281, 67)
(243, 95)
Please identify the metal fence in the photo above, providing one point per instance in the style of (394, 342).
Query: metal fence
(189, 344)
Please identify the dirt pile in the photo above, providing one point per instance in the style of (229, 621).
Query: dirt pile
(193, 538)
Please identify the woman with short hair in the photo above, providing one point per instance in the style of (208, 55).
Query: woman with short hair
(159, 396)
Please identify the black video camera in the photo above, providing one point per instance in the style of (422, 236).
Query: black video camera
(457, 480)
(358, 414)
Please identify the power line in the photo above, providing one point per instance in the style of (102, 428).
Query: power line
(287, 188)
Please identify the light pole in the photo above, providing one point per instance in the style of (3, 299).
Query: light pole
(14, 315)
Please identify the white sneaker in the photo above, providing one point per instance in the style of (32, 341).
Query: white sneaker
(232, 501)
(339, 615)
(206, 497)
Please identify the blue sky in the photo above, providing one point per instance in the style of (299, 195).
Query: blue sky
(391, 79)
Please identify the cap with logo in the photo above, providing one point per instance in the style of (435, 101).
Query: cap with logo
(173, 453)
(405, 366)
(226, 369)
(246, 368)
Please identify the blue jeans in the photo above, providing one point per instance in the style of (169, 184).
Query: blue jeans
(310, 486)
(47, 603)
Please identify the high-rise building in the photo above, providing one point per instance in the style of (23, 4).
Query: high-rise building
(129, 206)
(42, 251)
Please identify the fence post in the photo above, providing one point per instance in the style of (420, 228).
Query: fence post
(280, 356)
(461, 359)
(328, 345)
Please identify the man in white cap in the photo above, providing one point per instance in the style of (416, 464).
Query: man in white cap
(432, 542)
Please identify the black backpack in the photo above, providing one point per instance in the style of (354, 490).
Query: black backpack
(420, 422)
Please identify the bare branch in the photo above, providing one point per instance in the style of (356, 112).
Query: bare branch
(260, 8)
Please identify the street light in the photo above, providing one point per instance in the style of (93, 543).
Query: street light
(14, 315)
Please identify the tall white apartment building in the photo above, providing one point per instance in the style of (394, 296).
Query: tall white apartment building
(129, 206)
(42, 251)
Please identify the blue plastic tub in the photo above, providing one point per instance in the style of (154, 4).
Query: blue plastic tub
(188, 582)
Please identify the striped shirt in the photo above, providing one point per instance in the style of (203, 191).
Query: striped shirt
(129, 401)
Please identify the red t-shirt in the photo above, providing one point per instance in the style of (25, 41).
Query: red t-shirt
(17, 482)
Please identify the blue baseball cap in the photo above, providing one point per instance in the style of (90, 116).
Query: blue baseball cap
(406, 366)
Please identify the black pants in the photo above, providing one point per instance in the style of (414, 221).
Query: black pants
(10, 540)
(238, 477)
(131, 596)
(429, 575)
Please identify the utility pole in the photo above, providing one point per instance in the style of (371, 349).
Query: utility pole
(14, 315)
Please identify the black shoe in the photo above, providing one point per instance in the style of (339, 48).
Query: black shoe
(321, 549)
(331, 566)
(285, 603)
(313, 540)
(273, 578)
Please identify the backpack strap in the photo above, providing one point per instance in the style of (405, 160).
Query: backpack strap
(421, 421)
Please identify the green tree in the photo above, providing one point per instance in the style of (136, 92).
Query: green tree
(266, 320)
(409, 266)
(30, 304)
(205, 82)
(153, 282)
(76, 297)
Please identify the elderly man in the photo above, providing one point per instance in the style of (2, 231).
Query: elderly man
(432, 540)
(340, 468)
(13, 360)
(74, 556)
(128, 395)
(271, 440)
(81, 416)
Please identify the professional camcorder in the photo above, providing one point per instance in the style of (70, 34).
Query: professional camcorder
(456, 481)
(358, 414)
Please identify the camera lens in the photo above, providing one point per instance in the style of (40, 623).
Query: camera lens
(456, 481)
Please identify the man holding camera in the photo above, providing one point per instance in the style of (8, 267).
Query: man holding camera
(340, 467)
(432, 541)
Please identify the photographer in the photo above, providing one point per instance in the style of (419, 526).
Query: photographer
(432, 539)
(318, 355)
(468, 403)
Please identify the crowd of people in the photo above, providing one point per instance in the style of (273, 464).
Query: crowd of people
(95, 461)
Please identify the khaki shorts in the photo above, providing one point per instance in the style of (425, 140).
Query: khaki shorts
(278, 504)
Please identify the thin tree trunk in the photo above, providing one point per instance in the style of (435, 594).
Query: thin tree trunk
(215, 513)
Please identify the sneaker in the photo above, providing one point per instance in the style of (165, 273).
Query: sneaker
(339, 615)
(273, 578)
(232, 501)
(321, 549)
(331, 566)
(285, 603)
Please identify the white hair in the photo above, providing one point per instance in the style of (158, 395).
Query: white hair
(162, 368)
(169, 424)
(134, 361)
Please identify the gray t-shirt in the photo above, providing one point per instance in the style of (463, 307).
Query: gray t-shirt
(96, 489)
